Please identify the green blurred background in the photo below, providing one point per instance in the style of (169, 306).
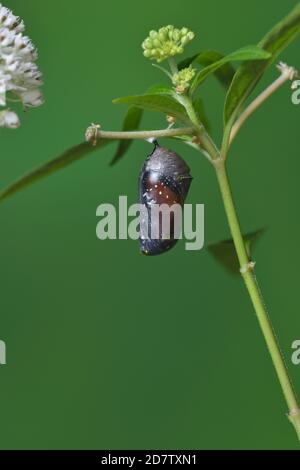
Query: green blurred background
(106, 348)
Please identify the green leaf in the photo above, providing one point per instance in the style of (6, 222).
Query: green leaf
(224, 251)
(157, 102)
(248, 74)
(69, 156)
(160, 89)
(200, 110)
(224, 74)
(244, 54)
(131, 123)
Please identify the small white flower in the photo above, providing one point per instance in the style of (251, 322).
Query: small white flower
(9, 119)
(32, 98)
(2, 93)
(20, 77)
(9, 20)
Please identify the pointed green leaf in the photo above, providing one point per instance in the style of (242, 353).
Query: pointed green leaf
(224, 74)
(157, 102)
(224, 251)
(248, 74)
(243, 54)
(160, 89)
(131, 123)
(69, 156)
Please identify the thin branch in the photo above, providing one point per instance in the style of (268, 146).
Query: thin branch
(162, 69)
(287, 73)
(146, 134)
(94, 133)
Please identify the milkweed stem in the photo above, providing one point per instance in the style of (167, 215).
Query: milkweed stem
(247, 272)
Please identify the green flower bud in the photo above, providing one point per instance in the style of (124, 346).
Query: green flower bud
(182, 79)
(162, 34)
(147, 44)
(190, 35)
(166, 42)
(184, 40)
(176, 35)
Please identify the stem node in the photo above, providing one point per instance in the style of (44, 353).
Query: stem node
(294, 418)
(247, 267)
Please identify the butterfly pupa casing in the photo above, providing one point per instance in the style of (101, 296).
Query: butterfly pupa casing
(164, 179)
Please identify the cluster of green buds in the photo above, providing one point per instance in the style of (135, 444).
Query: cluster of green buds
(182, 79)
(166, 42)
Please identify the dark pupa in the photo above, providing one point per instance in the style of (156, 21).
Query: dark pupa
(164, 179)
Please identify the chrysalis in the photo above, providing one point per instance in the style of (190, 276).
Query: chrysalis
(164, 179)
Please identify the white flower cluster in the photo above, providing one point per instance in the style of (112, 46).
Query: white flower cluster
(20, 77)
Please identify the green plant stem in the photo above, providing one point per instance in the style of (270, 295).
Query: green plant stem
(247, 267)
(145, 134)
(256, 297)
(173, 65)
(206, 141)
